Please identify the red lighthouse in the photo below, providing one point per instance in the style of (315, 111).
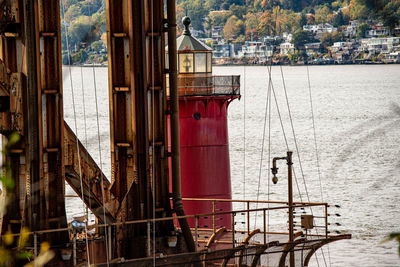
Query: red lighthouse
(204, 144)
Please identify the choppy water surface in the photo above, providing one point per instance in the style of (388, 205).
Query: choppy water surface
(357, 119)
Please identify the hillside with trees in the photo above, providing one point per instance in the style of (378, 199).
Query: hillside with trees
(83, 31)
(273, 17)
(84, 21)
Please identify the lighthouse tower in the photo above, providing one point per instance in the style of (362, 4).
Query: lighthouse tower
(204, 144)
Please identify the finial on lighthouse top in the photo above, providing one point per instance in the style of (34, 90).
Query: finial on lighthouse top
(186, 22)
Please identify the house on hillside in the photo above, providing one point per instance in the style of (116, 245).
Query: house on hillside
(377, 30)
(217, 32)
(320, 29)
(253, 49)
(379, 45)
(286, 48)
(312, 48)
(393, 57)
(351, 30)
(373, 33)
(349, 46)
(224, 50)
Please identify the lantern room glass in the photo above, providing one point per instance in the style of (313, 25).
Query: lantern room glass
(200, 62)
(209, 62)
(186, 63)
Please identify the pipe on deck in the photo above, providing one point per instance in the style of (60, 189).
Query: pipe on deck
(175, 144)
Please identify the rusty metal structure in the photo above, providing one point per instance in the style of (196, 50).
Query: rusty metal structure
(140, 221)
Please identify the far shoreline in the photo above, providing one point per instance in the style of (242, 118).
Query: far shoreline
(252, 65)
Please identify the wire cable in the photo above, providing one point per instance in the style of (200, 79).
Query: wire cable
(297, 149)
(244, 135)
(76, 134)
(316, 148)
(284, 135)
(263, 142)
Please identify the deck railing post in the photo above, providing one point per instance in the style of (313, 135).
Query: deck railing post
(265, 230)
(248, 217)
(233, 230)
(35, 248)
(196, 226)
(213, 217)
(326, 220)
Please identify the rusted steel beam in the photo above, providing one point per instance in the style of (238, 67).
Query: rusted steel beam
(138, 116)
(12, 89)
(95, 192)
(32, 131)
(51, 121)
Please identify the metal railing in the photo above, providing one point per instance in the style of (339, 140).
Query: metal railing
(246, 229)
(216, 85)
(262, 207)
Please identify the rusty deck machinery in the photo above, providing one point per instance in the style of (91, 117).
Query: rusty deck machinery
(31, 56)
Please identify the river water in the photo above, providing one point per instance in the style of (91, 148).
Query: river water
(357, 125)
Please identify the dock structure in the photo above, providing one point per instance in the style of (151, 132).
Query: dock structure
(140, 218)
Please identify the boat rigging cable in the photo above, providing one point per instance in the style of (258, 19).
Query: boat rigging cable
(298, 152)
(315, 135)
(76, 134)
(316, 148)
(267, 103)
(101, 161)
(287, 144)
(101, 165)
(244, 134)
(284, 133)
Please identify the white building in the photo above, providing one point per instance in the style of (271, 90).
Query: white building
(320, 29)
(256, 50)
(377, 32)
(393, 57)
(379, 45)
(286, 48)
(351, 29)
(217, 32)
(312, 48)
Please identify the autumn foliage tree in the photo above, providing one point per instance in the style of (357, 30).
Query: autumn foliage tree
(233, 28)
